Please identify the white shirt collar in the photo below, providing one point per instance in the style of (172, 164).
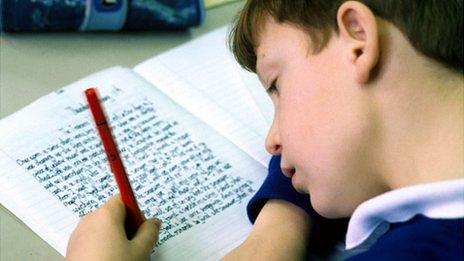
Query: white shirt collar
(435, 200)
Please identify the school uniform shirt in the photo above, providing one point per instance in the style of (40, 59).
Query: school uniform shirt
(421, 222)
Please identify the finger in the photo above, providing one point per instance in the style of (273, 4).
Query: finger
(116, 208)
(146, 236)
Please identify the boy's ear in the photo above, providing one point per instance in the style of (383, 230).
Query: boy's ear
(358, 29)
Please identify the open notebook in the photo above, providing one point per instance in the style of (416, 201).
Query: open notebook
(190, 125)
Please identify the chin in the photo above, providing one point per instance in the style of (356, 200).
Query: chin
(298, 185)
(328, 209)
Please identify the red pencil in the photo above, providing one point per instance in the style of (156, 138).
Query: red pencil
(134, 217)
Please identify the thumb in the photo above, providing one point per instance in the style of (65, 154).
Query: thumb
(146, 236)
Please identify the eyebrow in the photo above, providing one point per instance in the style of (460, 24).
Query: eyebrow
(258, 67)
(263, 81)
(259, 70)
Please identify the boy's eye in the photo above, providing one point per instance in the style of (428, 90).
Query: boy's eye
(273, 88)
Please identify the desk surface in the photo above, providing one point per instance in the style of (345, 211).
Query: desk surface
(32, 65)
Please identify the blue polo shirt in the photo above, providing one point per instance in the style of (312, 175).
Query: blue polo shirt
(421, 222)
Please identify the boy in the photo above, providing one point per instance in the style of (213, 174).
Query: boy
(368, 120)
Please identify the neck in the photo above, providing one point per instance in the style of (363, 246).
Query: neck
(421, 117)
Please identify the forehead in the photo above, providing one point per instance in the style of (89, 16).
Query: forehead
(276, 41)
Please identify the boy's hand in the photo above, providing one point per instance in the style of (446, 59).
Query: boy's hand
(100, 235)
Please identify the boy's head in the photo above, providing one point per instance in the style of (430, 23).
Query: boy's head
(326, 65)
(433, 27)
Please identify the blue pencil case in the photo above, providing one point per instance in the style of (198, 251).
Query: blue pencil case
(99, 15)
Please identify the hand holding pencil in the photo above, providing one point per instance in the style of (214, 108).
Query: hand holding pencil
(117, 230)
(101, 235)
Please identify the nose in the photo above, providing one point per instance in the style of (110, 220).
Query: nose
(273, 144)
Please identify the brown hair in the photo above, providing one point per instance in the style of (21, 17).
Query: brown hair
(433, 27)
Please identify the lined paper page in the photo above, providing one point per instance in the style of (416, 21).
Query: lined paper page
(205, 64)
(226, 123)
(182, 171)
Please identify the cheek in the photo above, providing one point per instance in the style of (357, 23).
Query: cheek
(343, 147)
(323, 130)
(314, 124)
(314, 110)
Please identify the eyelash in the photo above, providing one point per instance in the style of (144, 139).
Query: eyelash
(273, 88)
